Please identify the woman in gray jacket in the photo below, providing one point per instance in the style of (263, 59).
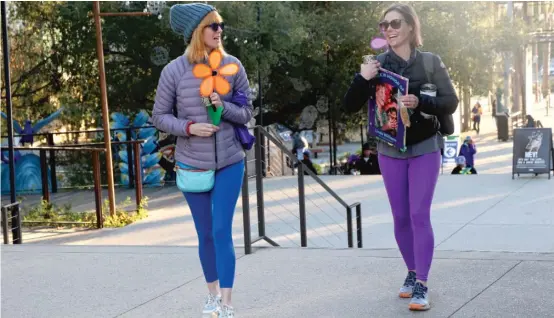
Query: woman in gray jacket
(205, 144)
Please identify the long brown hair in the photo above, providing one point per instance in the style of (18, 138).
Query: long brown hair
(411, 18)
(196, 51)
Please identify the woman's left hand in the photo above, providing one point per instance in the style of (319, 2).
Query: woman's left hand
(216, 100)
(410, 101)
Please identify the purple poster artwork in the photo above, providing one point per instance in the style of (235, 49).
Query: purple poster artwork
(384, 111)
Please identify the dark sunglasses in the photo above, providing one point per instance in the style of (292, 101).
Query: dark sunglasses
(215, 26)
(395, 24)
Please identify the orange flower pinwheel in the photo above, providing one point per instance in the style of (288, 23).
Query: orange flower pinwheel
(213, 75)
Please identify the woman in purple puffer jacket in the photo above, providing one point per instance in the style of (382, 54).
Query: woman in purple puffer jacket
(203, 146)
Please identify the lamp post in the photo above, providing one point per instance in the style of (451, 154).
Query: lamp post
(329, 112)
(103, 93)
(258, 21)
(6, 55)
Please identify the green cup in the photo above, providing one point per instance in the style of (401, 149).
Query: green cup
(213, 112)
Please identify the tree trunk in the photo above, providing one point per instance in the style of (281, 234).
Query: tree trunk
(517, 80)
(545, 70)
(466, 100)
(536, 71)
(546, 56)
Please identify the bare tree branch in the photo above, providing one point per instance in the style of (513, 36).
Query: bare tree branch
(31, 92)
(32, 71)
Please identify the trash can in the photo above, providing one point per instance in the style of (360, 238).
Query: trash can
(503, 127)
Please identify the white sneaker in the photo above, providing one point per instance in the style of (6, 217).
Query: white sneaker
(212, 304)
(225, 312)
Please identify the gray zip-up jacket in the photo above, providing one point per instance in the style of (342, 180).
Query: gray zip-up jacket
(178, 86)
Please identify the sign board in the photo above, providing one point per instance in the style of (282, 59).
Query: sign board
(532, 151)
(450, 151)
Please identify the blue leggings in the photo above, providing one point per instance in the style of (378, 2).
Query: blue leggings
(213, 218)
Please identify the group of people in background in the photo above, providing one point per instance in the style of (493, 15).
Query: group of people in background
(368, 162)
(465, 162)
(365, 163)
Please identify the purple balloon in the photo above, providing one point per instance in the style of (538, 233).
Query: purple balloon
(378, 43)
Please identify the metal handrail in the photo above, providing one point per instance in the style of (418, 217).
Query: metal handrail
(259, 132)
(101, 144)
(11, 216)
(79, 131)
(56, 148)
(311, 173)
(50, 141)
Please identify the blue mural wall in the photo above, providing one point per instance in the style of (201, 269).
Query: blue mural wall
(27, 174)
(27, 163)
(157, 153)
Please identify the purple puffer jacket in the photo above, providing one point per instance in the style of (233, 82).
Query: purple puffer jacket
(178, 86)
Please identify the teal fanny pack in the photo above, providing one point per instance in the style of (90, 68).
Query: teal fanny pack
(191, 179)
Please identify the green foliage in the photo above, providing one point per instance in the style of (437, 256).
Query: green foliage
(469, 39)
(122, 218)
(318, 169)
(49, 214)
(305, 51)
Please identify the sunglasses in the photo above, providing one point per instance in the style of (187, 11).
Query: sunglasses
(215, 26)
(395, 24)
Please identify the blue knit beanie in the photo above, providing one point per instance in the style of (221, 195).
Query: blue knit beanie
(184, 18)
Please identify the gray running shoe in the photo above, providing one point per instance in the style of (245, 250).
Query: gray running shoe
(408, 287)
(420, 298)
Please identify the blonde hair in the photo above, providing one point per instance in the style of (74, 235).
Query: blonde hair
(196, 51)
(411, 18)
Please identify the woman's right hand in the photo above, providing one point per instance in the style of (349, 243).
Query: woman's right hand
(203, 130)
(370, 70)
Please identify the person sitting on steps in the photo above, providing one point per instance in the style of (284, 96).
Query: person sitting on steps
(368, 163)
(308, 162)
(461, 167)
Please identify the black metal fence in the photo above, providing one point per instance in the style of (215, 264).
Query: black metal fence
(11, 222)
(95, 150)
(81, 173)
(262, 135)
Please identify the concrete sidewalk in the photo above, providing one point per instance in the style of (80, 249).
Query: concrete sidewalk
(107, 281)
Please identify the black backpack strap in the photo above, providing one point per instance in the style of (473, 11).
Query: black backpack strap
(381, 58)
(429, 65)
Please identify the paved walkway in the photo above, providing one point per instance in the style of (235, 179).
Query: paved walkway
(469, 212)
(119, 281)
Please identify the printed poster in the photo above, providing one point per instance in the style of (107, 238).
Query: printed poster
(532, 150)
(384, 113)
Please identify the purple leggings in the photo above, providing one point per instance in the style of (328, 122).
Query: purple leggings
(410, 185)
